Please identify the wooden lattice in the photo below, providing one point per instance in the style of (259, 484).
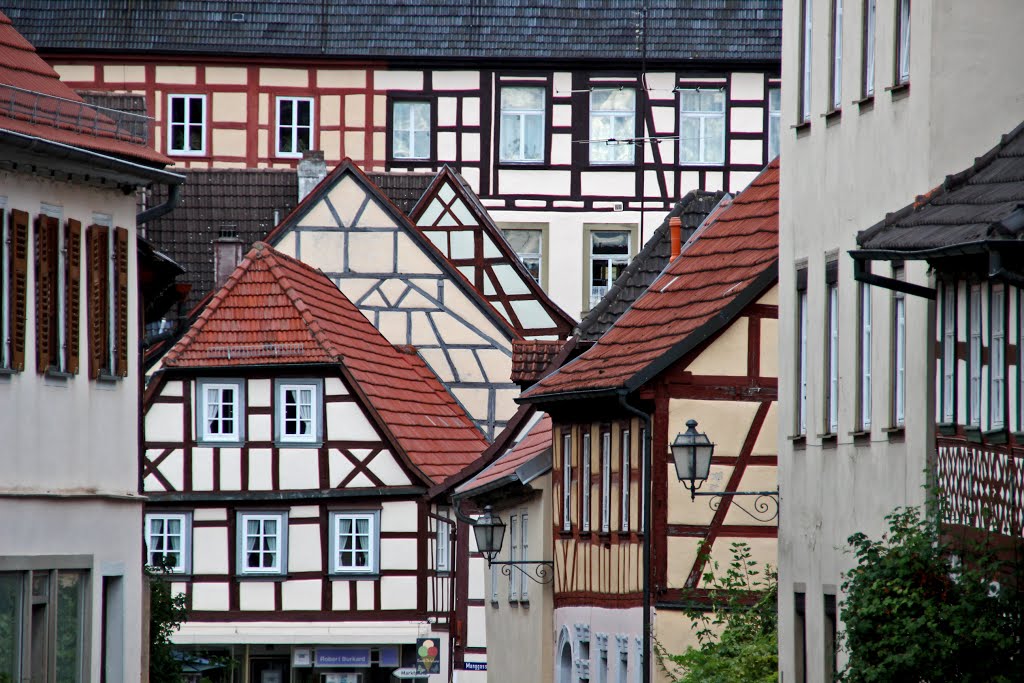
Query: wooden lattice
(982, 486)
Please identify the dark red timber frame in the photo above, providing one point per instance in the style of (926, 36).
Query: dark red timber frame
(326, 499)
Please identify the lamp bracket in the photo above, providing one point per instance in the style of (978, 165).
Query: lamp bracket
(765, 507)
(542, 572)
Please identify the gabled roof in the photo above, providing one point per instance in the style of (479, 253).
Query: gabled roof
(983, 202)
(34, 102)
(451, 216)
(516, 464)
(532, 357)
(403, 189)
(647, 265)
(728, 263)
(275, 310)
(605, 30)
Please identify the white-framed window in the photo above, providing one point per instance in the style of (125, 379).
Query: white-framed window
(524, 554)
(606, 481)
(528, 245)
(902, 41)
(899, 356)
(220, 411)
(801, 360)
(169, 541)
(609, 256)
(612, 125)
(974, 358)
(865, 357)
(997, 357)
(410, 135)
(355, 542)
(602, 658)
(513, 556)
(262, 543)
(585, 483)
(805, 61)
(522, 124)
(837, 54)
(774, 121)
(702, 126)
(186, 127)
(868, 57)
(294, 126)
(832, 360)
(626, 464)
(948, 352)
(566, 481)
(299, 408)
(444, 541)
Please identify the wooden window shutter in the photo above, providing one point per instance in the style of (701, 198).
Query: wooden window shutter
(72, 279)
(18, 286)
(96, 238)
(121, 275)
(46, 238)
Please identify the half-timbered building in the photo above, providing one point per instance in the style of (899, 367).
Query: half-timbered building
(71, 586)
(698, 344)
(583, 123)
(289, 448)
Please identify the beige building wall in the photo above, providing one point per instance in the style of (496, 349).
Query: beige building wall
(840, 176)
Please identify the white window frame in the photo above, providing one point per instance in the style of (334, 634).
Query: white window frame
(606, 481)
(187, 123)
(602, 658)
(373, 565)
(184, 565)
(566, 481)
(524, 554)
(443, 538)
(280, 555)
(902, 42)
(513, 556)
(997, 356)
(805, 63)
(528, 256)
(705, 145)
(521, 116)
(613, 114)
(203, 434)
(974, 350)
(832, 362)
(295, 126)
(899, 374)
(410, 130)
(837, 55)
(626, 464)
(802, 362)
(774, 121)
(585, 484)
(865, 356)
(315, 387)
(868, 73)
(642, 471)
(6, 266)
(948, 352)
(612, 259)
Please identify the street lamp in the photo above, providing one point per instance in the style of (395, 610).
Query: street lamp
(489, 531)
(692, 452)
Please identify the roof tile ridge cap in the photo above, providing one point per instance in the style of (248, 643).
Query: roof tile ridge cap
(276, 266)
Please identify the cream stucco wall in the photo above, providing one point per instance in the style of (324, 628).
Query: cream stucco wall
(839, 177)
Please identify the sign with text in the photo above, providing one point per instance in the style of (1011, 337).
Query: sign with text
(407, 673)
(475, 666)
(427, 656)
(388, 655)
(342, 656)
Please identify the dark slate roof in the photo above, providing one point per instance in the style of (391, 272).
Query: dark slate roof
(457, 29)
(216, 200)
(126, 102)
(403, 189)
(647, 265)
(983, 202)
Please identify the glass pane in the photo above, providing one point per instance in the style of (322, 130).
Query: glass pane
(609, 242)
(177, 110)
(533, 134)
(522, 98)
(284, 140)
(420, 116)
(401, 114)
(195, 138)
(304, 110)
(421, 142)
(362, 526)
(625, 128)
(689, 100)
(10, 626)
(177, 137)
(524, 241)
(195, 110)
(713, 100)
(774, 99)
(511, 140)
(613, 100)
(284, 116)
(714, 143)
(689, 139)
(70, 604)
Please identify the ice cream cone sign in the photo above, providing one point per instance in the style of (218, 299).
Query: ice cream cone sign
(427, 651)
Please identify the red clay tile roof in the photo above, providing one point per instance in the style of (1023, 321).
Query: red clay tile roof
(736, 248)
(536, 440)
(63, 120)
(277, 310)
(530, 358)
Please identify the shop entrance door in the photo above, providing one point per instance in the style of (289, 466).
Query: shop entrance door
(269, 670)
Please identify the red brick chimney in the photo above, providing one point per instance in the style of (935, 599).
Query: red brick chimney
(675, 227)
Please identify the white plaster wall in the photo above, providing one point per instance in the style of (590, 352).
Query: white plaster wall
(613, 622)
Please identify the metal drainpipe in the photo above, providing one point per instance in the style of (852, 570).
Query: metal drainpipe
(161, 209)
(646, 454)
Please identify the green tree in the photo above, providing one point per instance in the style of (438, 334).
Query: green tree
(736, 626)
(919, 609)
(167, 612)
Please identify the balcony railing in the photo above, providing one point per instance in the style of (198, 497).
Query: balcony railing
(72, 115)
(982, 486)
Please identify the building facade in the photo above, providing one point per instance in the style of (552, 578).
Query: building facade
(876, 108)
(589, 150)
(71, 586)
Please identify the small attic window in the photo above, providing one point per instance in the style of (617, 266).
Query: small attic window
(238, 16)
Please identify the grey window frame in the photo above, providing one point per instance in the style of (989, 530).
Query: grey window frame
(317, 437)
(282, 543)
(374, 566)
(238, 437)
(186, 537)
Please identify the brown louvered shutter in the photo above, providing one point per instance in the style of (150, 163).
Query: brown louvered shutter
(19, 286)
(46, 238)
(72, 278)
(121, 274)
(96, 238)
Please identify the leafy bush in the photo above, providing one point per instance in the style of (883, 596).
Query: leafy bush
(167, 612)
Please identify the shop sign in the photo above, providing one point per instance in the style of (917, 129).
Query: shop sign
(302, 656)
(475, 666)
(427, 651)
(343, 656)
(406, 673)
(388, 655)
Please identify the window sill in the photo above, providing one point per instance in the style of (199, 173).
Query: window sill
(996, 436)
(220, 444)
(54, 373)
(362, 576)
(262, 577)
(897, 433)
(946, 428)
(631, 166)
(519, 163)
(899, 90)
(802, 128)
(862, 436)
(799, 441)
(298, 444)
(7, 371)
(866, 103)
(106, 376)
(973, 434)
(828, 439)
(832, 116)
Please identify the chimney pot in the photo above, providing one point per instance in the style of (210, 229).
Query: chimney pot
(311, 170)
(675, 227)
(227, 254)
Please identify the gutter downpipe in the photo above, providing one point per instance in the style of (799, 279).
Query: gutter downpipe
(173, 196)
(646, 454)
